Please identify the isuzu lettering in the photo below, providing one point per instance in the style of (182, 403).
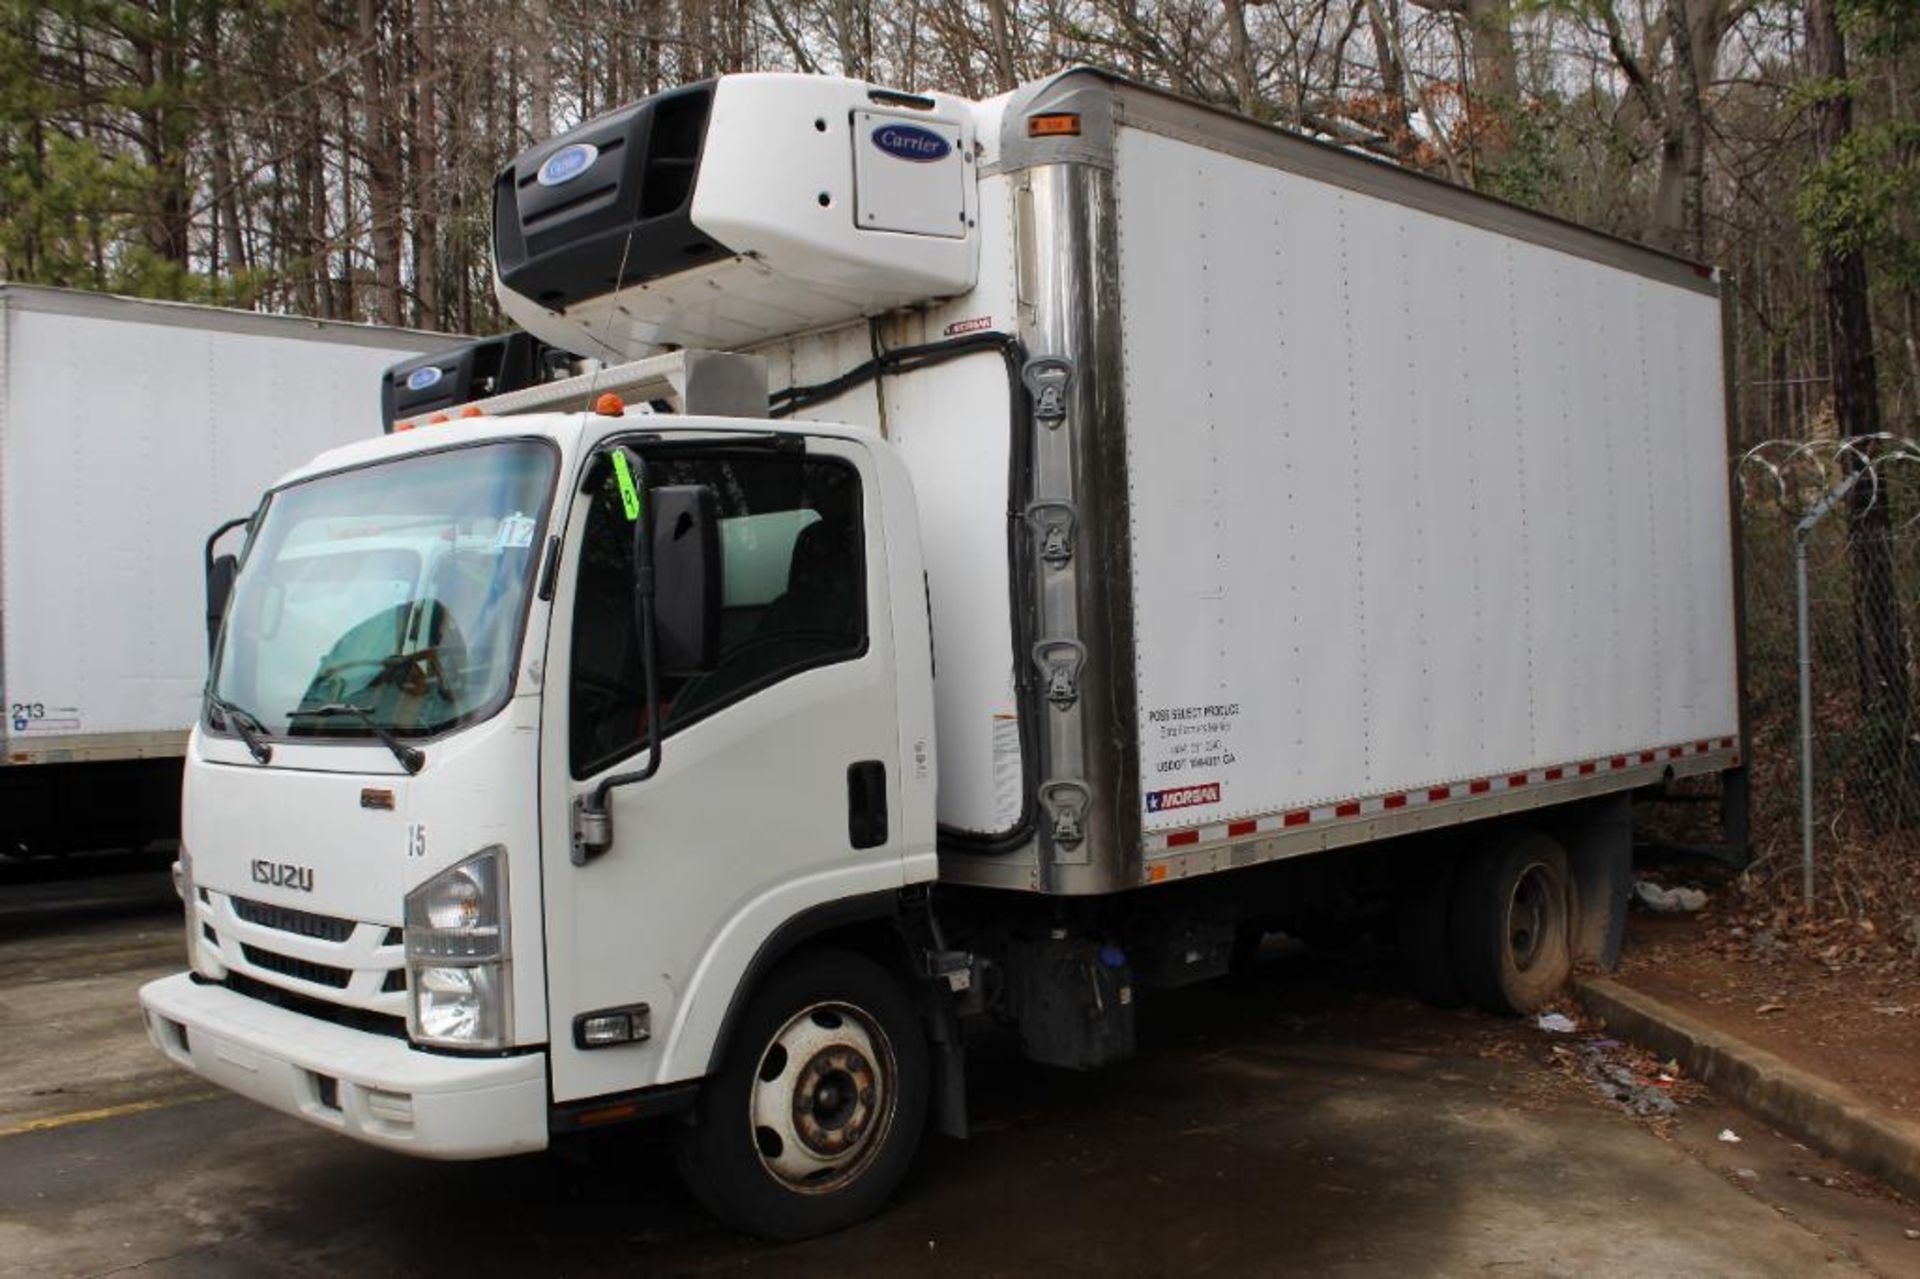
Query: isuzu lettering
(1004, 559)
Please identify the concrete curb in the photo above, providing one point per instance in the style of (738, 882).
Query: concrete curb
(1826, 1116)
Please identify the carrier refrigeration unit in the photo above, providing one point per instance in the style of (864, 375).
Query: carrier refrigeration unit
(1015, 554)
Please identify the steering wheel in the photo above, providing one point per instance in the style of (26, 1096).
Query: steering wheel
(424, 659)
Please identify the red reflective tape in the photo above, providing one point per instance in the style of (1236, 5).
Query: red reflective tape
(1555, 774)
(1646, 757)
(1725, 742)
(1437, 793)
(1674, 752)
(1479, 788)
(1703, 746)
(1516, 779)
(1299, 817)
(1394, 801)
(1618, 761)
(1181, 838)
(1587, 768)
(1349, 809)
(1237, 829)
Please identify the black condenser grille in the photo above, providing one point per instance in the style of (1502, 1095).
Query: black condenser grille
(288, 920)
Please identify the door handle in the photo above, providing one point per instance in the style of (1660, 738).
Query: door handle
(867, 803)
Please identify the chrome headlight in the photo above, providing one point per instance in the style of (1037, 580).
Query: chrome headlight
(458, 988)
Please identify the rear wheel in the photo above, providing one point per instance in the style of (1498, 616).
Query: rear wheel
(1512, 923)
(817, 1109)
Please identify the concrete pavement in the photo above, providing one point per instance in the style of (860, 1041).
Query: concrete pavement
(1308, 1119)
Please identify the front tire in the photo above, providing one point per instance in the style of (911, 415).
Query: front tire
(819, 1104)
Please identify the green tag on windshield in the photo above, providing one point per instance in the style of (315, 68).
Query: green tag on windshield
(629, 491)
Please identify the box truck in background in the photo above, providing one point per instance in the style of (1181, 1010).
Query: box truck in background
(1056, 540)
(129, 431)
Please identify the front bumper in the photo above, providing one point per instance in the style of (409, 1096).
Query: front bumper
(379, 1089)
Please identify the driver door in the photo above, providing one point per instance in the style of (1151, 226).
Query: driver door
(779, 765)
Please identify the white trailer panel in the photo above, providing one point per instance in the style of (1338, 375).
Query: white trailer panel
(128, 431)
(1414, 502)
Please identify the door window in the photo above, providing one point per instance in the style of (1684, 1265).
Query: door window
(793, 594)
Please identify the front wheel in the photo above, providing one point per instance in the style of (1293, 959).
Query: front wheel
(818, 1107)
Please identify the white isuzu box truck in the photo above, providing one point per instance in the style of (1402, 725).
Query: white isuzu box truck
(1031, 549)
(129, 431)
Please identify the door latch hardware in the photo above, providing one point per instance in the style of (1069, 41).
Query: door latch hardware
(1048, 379)
(1052, 521)
(1060, 660)
(1066, 803)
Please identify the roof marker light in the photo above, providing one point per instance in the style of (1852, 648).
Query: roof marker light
(472, 410)
(1063, 124)
(610, 405)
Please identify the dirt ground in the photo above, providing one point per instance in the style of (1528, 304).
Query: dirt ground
(1828, 1004)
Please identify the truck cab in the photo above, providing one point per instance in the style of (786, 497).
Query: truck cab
(408, 917)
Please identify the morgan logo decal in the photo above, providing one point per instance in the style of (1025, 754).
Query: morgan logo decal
(283, 875)
(1161, 801)
(911, 142)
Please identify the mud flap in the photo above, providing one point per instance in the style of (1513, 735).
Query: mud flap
(1598, 837)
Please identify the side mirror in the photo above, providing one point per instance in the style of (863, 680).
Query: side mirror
(686, 578)
(220, 571)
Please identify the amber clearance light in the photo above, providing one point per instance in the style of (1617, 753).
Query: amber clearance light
(1064, 124)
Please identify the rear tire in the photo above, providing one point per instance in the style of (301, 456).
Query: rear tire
(1513, 923)
(819, 1104)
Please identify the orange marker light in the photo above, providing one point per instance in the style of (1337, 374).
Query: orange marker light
(403, 426)
(471, 411)
(437, 419)
(1066, 124)
(610, 405)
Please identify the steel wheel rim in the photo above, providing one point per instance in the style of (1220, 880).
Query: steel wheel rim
(1530, 916)
(823, 1098)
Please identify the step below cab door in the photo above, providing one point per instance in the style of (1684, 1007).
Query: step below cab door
(779, 784)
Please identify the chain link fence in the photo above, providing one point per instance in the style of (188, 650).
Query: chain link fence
(1831, 572)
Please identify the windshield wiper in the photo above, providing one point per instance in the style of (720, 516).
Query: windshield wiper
(245, 723)
(411, 757)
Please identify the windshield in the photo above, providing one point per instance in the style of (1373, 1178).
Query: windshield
(392, 594)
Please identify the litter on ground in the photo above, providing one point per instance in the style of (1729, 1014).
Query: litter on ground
(1668, 901)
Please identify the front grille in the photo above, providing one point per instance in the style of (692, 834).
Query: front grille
(300, 969)
(288, 920)
(396, 980)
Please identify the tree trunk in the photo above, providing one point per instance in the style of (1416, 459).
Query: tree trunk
(1886, 698)
(429, 308)
(380, 146)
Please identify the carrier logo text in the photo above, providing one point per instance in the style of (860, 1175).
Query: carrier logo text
(911, 142)
(1161, 801)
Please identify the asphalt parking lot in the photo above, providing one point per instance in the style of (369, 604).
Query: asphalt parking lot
(1309, 1118)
